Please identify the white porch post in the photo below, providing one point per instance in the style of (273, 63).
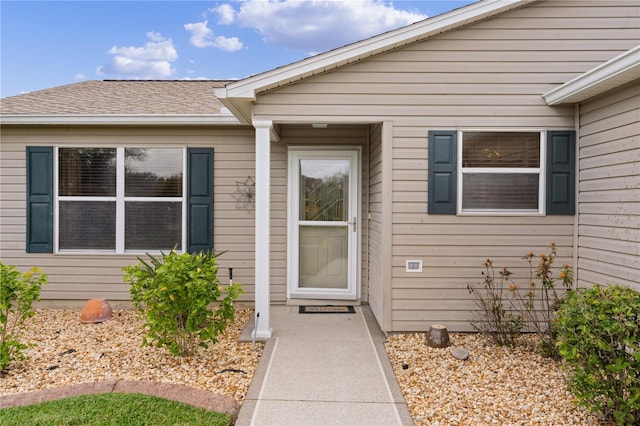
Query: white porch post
(263, 229)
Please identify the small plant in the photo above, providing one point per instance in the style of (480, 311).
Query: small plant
(18, 291)
(541, 299)
(599, 338)
(496, 318)
(506, 310)
(173, 293)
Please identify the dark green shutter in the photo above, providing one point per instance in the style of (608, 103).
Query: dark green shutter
(442, 171)
(39, 199)
(561, 151)
(199, 199)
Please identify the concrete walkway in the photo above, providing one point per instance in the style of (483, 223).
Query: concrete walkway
(324, 369)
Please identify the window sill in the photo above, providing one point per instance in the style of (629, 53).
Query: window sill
(111, 253)
(500, 213)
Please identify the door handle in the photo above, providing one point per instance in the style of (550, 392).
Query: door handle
(353, 223)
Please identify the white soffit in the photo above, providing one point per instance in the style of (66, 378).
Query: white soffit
(620, 70)
(123, 119)
(237, 96)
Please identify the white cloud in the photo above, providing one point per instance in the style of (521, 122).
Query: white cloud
(319, 25)
(202, 36)
(152, 60)
(226, 14)
(80, 77)
(230, 44)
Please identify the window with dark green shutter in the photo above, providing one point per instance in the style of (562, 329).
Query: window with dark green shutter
(119, 199)
(501, 172)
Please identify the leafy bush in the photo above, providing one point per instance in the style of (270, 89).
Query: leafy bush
(173, 293)
(506, 310)
(18, 291)
(599, 338)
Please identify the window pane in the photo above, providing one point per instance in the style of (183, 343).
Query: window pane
(500, 191)
(153, 172)
(324, 189)
(501, 149)
(153, 226)
(87, 172)
(87, 225)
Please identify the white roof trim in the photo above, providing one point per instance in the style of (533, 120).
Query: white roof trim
(119, 119)
(622, 69)
(244, 91)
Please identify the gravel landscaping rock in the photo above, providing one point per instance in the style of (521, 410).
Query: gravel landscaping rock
(68, 352)
(494, 386)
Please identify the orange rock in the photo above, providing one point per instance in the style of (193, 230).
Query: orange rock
(95, 310)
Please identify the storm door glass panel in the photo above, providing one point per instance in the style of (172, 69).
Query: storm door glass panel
(324, 230)
(87, 225)
(323, 257)
(153, 172)
(153, 225)
(324, 190)
(87, 172)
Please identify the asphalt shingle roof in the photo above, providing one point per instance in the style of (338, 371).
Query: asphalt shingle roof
(126, 97)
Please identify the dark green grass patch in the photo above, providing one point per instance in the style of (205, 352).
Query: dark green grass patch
(111, 409)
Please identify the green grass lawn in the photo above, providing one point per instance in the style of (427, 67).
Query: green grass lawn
(111, 409)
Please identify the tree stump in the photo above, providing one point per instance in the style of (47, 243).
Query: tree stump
(438, 336)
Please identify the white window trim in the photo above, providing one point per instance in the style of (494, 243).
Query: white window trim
(541, 211)
(120, 200)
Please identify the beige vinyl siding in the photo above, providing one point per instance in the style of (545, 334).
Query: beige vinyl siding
(373, 263)
(80, 276)
(489, 75)
(278, 289)
(609, 189)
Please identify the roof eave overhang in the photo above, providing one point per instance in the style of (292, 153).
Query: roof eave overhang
(620, 70)
(238, 96)
(119, 119)
(239, 107)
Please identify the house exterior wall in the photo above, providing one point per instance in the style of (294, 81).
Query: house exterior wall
(489, 75)
(78, 277)
(374, 262)
(609, 189)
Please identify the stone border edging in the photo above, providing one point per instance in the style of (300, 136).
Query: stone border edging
(181, 393)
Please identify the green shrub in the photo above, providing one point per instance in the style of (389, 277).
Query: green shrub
(18, 291)
(173, 294)
(599, 338)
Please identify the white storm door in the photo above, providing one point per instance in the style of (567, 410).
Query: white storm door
(323, 224)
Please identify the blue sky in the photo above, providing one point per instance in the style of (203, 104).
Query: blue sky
(50, 43)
